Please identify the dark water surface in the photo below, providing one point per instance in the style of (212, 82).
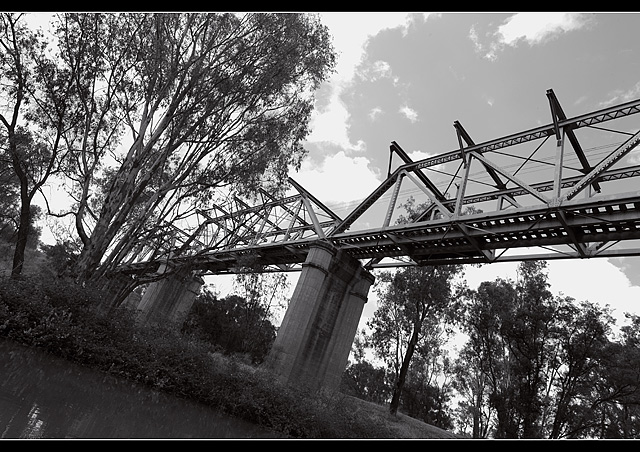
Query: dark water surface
(45, 397)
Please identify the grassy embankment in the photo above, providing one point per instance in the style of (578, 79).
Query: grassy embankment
(63, 319)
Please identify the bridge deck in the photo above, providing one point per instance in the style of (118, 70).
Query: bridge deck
(584, 226)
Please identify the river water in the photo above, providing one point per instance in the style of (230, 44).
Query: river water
(50, 398)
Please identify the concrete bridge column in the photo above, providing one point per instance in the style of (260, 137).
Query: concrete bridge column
(168, 301)
(314, 340)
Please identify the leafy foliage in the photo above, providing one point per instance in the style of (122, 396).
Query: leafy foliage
(61, 256)
(416, 304)
(533, 360)
(58, 316)
(26, 111)
(145, 117)
(365, 381)
(211, 101)
(232, 324)
(534, 365)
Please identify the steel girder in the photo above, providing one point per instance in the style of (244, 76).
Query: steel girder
(444, 241)
(225, 235)
(547, 208)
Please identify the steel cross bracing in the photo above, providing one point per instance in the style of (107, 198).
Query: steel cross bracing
(564, 190)
(226, 236)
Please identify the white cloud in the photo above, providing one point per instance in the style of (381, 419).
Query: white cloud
(410, 113)
(621, 96)
(378, 70)
(381, 69)
(479, 47)
(374, 113)
(330, 125)
(530, 27)
(339, 179)
(535, 28)
(351, 31)
(473, 36)
(419, 155)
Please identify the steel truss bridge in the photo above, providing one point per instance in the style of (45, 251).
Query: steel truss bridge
(563, 190)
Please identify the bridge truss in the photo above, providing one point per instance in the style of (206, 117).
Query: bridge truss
(564, 190)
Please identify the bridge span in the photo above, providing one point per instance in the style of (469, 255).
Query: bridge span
(565, 190)
(558, 203)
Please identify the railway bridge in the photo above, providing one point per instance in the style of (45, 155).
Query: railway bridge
(565, 190)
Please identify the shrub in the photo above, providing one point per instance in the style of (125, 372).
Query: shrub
(59, 317)
(231, 323)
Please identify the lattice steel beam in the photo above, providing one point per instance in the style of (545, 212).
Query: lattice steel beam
(278, 233)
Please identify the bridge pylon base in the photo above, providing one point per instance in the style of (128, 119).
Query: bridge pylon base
(168, 301)
(314, 340)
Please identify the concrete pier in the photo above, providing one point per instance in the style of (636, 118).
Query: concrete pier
(314, 340)
(168, 301)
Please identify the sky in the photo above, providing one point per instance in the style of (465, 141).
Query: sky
(406, 77)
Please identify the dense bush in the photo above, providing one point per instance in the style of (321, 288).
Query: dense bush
(64, 319)
(233, 324)
(363, 380)
(61, 257)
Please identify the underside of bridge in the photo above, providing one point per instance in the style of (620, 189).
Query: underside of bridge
(565, 190)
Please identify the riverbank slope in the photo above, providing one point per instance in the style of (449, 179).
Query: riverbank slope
(403, 426)
(60, 318)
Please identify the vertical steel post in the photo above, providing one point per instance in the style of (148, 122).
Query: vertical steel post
(314, 219)
(392, 202)
(463, 186)
(557, 179)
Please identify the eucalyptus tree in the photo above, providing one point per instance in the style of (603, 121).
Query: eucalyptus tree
(608, 403)
(35, 108)
(488, 305)
(415, 306)
(264, 291)
(173, 107)
(539, 362)
(473, 387)
(577, 367)
(9, 197)
(428, 390)
(531, 332)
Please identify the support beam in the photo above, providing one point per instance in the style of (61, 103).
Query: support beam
(513, 179)
(558, 114)
(393, 200)
(314, 219)
(579, 247)
(605, 164)
(463, 135)
(557, 179)
(305, 193)
(418, 173)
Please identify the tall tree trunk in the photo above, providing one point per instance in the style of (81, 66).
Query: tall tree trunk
(23, 235)
(25, 208)
(87, 261)
(404, 369)
(477, 415)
